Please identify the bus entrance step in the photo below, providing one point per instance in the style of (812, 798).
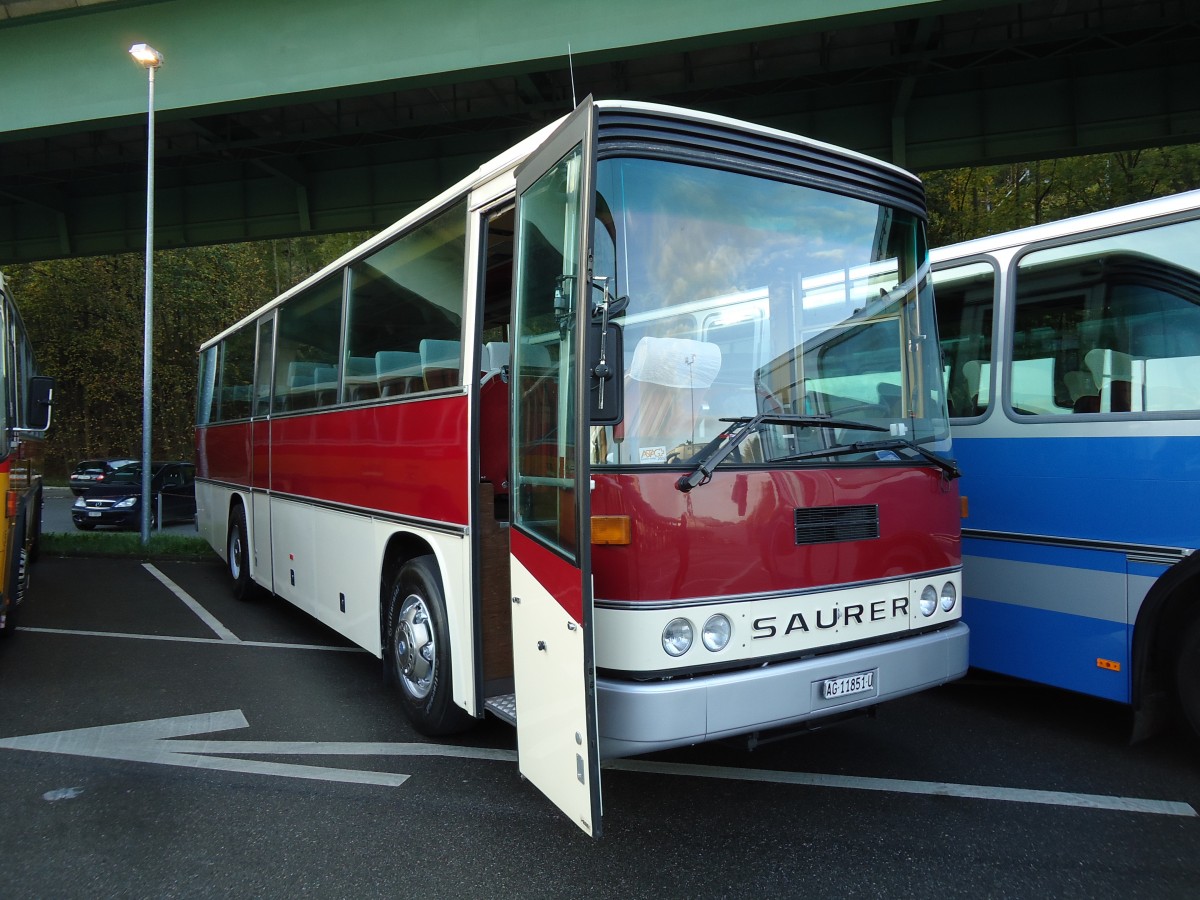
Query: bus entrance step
(504, 706)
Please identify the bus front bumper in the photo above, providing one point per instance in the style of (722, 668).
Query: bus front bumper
(641, 717)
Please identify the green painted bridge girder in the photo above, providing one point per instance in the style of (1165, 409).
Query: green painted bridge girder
(278, 117)
(244, 52)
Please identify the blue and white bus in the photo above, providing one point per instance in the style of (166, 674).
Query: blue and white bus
(1071, 356)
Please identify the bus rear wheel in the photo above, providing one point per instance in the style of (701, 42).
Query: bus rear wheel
(238, 555)
(417, 650)
(1187, 675)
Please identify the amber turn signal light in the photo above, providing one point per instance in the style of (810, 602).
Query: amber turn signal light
(611, 530)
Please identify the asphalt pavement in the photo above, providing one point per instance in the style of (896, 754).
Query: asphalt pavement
(160, 739)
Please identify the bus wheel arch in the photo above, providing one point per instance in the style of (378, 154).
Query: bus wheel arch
(1168, 629)
(416, 639)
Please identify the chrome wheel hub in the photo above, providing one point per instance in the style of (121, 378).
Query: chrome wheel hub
(235, 553)
(414, 648)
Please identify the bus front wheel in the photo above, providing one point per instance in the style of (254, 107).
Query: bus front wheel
(1187, 675)
(417, 651)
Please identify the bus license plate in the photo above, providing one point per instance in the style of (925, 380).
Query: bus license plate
(858, 683)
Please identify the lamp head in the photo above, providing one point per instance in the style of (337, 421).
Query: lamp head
(146, 56)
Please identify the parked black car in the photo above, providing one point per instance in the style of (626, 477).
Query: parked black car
(116, 500)
(94, 471)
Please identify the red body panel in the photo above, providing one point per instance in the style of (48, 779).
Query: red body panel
(736, 535)
(223, 453)
(408, 458)
(262, 454)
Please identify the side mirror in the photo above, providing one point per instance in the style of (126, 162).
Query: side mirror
(606, 367)
(40, 401)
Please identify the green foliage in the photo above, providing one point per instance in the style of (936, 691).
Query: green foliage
(973, 202)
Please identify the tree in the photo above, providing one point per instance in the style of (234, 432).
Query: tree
(972, 202)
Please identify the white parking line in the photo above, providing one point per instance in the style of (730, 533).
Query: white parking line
(931, 788)
(191, 603)
(273, 645)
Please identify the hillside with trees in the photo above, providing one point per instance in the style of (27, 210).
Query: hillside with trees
(85, 315)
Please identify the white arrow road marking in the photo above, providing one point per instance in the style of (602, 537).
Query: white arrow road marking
(155, 741)
(148, 742)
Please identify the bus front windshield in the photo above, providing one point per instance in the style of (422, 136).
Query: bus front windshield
(748, 296)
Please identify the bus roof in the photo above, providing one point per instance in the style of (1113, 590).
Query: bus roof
(513, 156)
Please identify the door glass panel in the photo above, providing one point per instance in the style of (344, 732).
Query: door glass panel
(543, 356)
(237, 375)
(266, 362)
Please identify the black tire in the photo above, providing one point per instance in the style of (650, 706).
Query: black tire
(417, 650)
(18, 583)
(238, 554)
(1187, 675)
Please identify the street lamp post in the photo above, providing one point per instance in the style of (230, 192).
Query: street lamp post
(150, 59)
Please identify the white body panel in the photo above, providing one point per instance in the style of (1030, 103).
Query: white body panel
(548, 662)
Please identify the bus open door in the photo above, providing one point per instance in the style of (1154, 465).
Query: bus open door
(550, 558)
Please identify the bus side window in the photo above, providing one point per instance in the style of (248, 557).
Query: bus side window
(1120, 328)
(965, 300)
(404, 314)
(306, 370)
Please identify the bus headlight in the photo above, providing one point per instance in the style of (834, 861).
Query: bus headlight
(929, 600)
(949, 596)
(677, 637)
(717, 631)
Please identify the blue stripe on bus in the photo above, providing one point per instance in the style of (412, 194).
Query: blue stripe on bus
(1138, 490)
(1050, 647)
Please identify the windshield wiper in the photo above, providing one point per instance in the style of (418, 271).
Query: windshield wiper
(715, 451)
(948, 466)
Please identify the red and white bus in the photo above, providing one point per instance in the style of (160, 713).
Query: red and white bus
(635, 438)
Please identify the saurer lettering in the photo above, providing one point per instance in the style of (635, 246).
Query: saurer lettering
(853, 614)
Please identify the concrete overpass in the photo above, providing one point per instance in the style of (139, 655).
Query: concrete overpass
(281, 117)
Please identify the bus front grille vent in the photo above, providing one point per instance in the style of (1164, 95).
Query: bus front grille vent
(830, 524)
